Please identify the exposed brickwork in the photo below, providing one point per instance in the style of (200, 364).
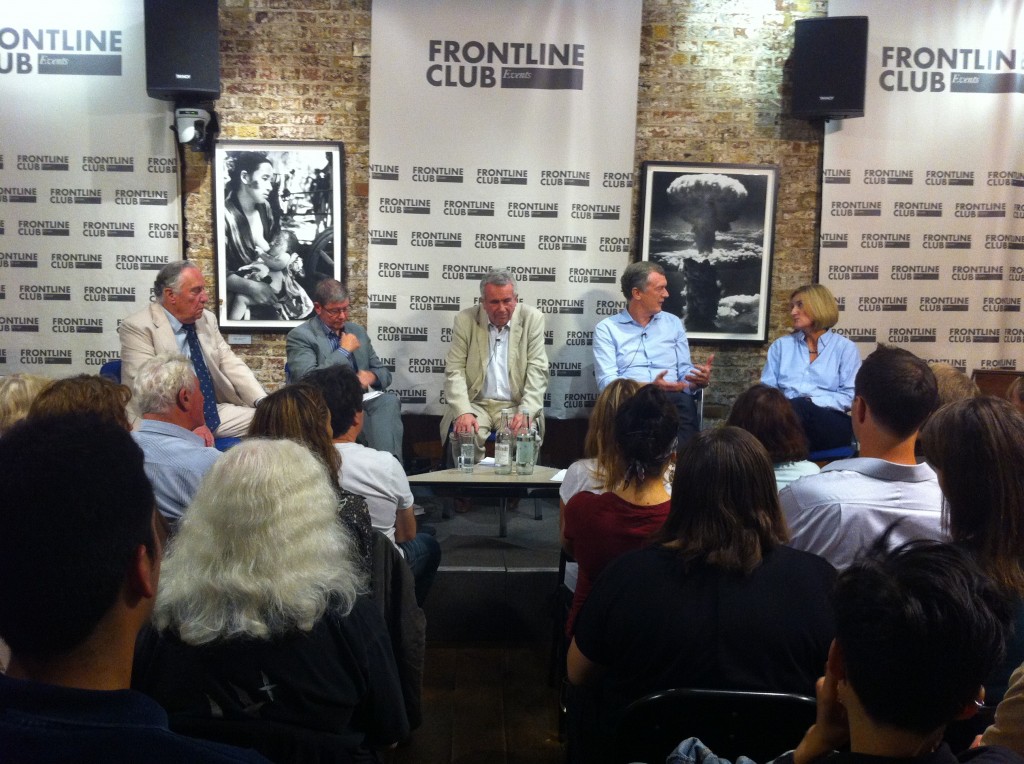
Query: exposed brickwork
(711, 90)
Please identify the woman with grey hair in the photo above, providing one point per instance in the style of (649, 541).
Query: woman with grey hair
(262, 616)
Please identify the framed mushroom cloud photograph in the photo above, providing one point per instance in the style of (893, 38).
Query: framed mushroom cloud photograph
(711, 227)
(279, 216)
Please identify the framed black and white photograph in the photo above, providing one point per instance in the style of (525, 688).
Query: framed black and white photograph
(711, 227)
(279, 212)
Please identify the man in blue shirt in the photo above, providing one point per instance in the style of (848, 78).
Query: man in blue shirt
(646, 344)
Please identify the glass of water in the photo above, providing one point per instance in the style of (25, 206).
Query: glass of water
(466, 454)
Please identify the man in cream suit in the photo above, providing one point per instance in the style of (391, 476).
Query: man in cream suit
(178, 310)
(496, 361)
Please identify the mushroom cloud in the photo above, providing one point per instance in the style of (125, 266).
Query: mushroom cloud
(709, 203)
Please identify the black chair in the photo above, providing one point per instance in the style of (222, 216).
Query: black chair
(731, 723)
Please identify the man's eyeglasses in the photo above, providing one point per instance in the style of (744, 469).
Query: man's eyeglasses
(335, 312)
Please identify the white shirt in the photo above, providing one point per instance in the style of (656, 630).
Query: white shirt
(377, 477)
(496, 386)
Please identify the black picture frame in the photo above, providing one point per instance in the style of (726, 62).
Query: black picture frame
(299, 201)
(711, 227)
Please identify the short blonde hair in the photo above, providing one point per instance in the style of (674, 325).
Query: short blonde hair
(17, 392)
(1015, 392)
(954, 385)
(819, 304)
(81, 393)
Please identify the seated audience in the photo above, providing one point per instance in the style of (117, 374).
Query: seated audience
(261, 613)
(976, 447)
(166, 394)
(598, 528)
(1008, 728)
(917, 631)
(80, 555)
(765, 413)
(82, 393)
(841, 511)
(376, 476)
(718, 601)
(299, 413)
(953, 384)
(17, 391)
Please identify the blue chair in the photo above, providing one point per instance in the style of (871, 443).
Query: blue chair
(831, 454)
(112, 370)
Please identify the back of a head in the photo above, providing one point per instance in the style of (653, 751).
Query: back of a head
(899, 389)
(343, 393)
(297, 412)
(17, 391)
(601, 430)
(725, 505)
(920, 629)
(84, 393)
(977, 447)
(765, 413)
(159, 380)
(953, 384)
(1015, 392)
(646, 427)
(260, 551)
(77, 505)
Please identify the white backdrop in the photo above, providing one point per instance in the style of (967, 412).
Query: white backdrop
(922, 232)
(502, 136)
(88, 183)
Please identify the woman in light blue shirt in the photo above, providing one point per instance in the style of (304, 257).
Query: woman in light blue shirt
(815, 368)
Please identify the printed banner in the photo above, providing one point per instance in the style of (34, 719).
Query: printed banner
(89, 205)
(502, 136)
(922, 223)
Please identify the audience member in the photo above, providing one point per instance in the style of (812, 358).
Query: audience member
(166, 394)
(718, 601)
(17, 391)
(841, 511)
(976, 447)
(261, 612)
(764, 412)
(953, 384)
(598, 528)
(80, 554)
(1015, 393)
(1008, 728)
(84, 393)
(917, 631)
(376, 476)
(299, 413)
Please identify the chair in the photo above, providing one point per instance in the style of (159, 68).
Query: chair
(823, 457)
(994, 381)
(731, 723)
(112, 370)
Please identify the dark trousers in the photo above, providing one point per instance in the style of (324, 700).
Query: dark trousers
(686, 407)
(825, 428)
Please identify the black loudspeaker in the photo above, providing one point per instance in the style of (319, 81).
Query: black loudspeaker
(182, 50)
(829, 67)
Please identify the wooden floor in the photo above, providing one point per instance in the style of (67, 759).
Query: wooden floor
(485, 703)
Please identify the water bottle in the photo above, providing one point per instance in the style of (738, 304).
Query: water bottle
(526, 445)
(504, 444)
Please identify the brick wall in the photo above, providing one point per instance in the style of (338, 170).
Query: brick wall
(712, 89)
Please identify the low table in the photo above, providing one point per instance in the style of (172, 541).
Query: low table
(485, 482)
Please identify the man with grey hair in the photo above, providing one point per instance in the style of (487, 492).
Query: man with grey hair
(166, 392)
(177, 322)
(648, 345)
(497, 360)
(329, 339)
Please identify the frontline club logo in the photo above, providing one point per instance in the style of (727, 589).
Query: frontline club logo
(595, 211)
(856, 209)
(411, 395)
(108, 229)
(500, 241)
(492, 176)
(382, 301)
(613, 244)
(565, 369)
(161, 231)
(971, 70)
(917, 209)
(435, 239)
(885, 241)
(562, 307)
(437, 174)
(836, 177)
(856, 334)
(1016, 272)
(592, 276)
(404, 206)
(478, 64)
(433, 302)
(384, 237)
(19, 324)
(1013, 335)
(977, 273)
(44, 162)
(384, 172)
(472, 209)
(108, 294)
(141, 198)
(161, 165)
(614, 180)
(949, 178)
(579, 338)
(78, 260)
(946, 241)
(853, 272)
(960, 364)
(403, 270)
(76, 196)
(100, 357)
(61, 51)
(533, 273)
(77, 326)
(963, 334)
(19, 259)
(40, 356)
(580, 400)
(108, 164)
(19, 194)
(532, 210)
(391, 333)
(1004, 241)
(835, 241)
(898, 335)
(944, 304)
(1005, 178)
(45, 292)
(565, 178)
(464, 272)
(1009, 364)
(563, 243)
(980, 210)
(1000, 305)
(885, 304)
(426, 366)
(889, 177)
(607, 307)
(44, 228)
(140, 262)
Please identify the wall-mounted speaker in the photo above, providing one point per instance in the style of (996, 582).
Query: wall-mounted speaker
(182, 50)
(829, 67)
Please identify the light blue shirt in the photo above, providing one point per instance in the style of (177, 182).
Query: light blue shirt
(180, 337)
(828, 382)
(623, 348)
(175, 462)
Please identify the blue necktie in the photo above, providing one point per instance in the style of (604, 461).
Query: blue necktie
(203, 375)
